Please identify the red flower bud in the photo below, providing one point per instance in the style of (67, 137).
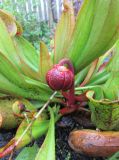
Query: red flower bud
(60, 78)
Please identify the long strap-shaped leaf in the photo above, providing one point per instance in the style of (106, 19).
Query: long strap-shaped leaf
(16, 48)
(6, 44)
(10, 71)
(9, 21)
(47, 150)
(31, 88)
(13, 27)
(28, 153)
(28, 57)
(26, 52)
(95, 31)
(45, 61)
(111, 87)
(64, 31)
(10, 88)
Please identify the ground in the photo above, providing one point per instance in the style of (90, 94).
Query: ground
(75, 121)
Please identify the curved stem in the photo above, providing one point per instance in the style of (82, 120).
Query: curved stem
(67, 62)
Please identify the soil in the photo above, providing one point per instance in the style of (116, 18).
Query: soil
(5, 137)
(63, 128)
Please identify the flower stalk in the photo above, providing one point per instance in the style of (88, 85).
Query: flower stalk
(61, 77)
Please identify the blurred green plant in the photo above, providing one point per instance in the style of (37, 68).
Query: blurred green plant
(114, 157)
(34, 30)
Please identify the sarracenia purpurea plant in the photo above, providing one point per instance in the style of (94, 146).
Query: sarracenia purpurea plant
(73, 75)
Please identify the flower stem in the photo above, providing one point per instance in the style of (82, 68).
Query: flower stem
(34, 118)
(67, 62)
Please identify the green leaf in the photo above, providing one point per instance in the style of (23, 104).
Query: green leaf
(19, 51)
(9, 22)
(104, 113)
(8, 87)
(114, 157)
(28, 56)
(64, 31)
(10, 71)
(99, 78)
(114, 62)
(39, 128)
(12, 89)
(81, 75)
(43, 92)
(95, 32)
(13, 77)
(26, 52)
(96, 88)
(6, 44)
(111, 87)
(107, 56)
(45, 61)
(28, 153)
(47, 150)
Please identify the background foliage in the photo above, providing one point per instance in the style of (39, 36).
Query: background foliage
(34, 30)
